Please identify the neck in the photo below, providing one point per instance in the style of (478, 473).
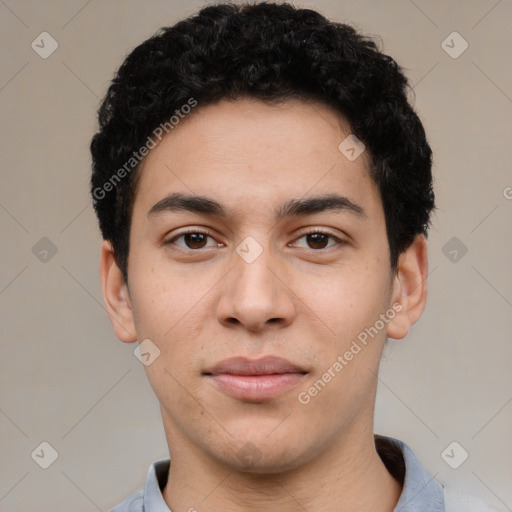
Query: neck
(350, 476)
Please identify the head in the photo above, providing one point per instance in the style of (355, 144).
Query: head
(285, 146)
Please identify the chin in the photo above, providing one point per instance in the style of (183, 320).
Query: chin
(262, 456)
(257, 463)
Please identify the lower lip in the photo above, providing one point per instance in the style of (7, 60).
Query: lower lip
(255, 388)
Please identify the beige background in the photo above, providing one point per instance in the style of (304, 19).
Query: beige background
(64, 377)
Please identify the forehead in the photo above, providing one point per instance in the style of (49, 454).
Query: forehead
(246, 152)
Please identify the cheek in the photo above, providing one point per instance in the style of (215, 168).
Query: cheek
(345, 300)
(165, 296)
(170, 308)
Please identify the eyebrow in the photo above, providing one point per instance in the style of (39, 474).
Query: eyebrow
(178, 202)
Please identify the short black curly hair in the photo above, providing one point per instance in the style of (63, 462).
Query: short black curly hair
(271, 52)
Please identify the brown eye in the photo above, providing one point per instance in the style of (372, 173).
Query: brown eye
(193, 240)
(318, 240)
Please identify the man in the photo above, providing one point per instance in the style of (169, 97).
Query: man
(264, 191)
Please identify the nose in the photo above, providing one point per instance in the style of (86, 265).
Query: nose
(256, 295)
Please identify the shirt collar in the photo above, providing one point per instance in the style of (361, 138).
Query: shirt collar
(420, 493)
(155, 483)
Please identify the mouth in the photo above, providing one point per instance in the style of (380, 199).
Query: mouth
(255, 380)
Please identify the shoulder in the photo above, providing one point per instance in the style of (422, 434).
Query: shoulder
(133, 503)
(458, 501)
(149, 498)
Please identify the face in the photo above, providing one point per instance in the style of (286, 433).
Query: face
(259, 268)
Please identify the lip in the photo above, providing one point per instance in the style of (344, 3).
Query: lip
(255, 380)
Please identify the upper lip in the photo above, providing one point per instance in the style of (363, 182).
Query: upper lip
(268, 365)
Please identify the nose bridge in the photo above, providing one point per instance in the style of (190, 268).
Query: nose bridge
(253, 275)
(255, 295)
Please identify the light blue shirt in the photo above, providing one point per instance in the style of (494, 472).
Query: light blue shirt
(420, 493)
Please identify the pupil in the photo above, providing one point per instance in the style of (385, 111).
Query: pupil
(318, 238)
(194, 238)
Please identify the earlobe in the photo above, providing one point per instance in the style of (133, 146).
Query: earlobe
(116, 296)
(409, 288)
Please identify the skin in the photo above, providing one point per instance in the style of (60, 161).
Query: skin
(302, 299)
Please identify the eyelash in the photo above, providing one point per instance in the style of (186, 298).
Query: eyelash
(209, 234)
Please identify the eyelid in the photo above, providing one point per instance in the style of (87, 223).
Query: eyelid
(202, 231)
(323, 231)
(310, 230)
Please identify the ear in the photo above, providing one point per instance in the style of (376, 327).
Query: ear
(116, 295)
(409, 293)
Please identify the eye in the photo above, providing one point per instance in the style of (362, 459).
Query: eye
(194, 239)
(318, 239)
